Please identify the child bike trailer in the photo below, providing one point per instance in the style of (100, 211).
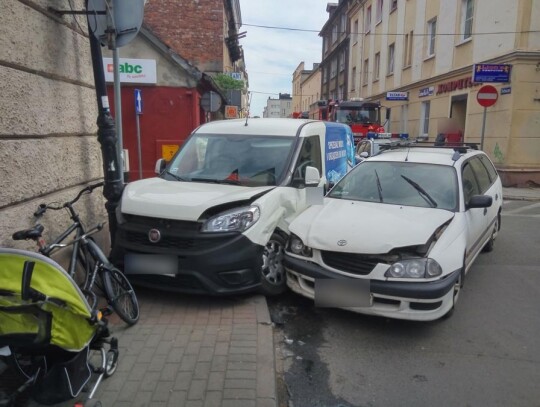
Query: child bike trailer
(48, 330)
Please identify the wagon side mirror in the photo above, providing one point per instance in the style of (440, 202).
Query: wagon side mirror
(160, 166)
(480, 201)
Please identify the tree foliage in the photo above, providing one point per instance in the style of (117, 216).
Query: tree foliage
(226, 82)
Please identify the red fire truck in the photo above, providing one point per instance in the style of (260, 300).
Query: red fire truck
(363, 117)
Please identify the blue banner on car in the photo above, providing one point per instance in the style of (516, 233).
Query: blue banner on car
(339, 151)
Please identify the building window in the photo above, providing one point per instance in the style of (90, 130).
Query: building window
(404, 118)
(353, 78)
(467, 11)
(377, 67)
(324, 73)
(333, 68)
(355, 31)
(343, 23)
(366, 71)
(341, 92)
(379, 10)
(393, 5)
(334, 33)
(424, 125)
(368, 19)
(342, 62)
(431, 37)
(408, 49)
(390, 69)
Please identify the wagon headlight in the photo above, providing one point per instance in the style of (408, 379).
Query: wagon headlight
(235, 220)
(414, 268)
(298, 247)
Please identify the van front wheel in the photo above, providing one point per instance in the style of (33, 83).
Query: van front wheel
(273, 273)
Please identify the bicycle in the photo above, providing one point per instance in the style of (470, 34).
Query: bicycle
(98, 271)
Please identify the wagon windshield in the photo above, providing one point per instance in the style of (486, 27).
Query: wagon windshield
(232, 159)
(400, 183)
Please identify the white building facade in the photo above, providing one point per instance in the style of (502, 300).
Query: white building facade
(426, 50)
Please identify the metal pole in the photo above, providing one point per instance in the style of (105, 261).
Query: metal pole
(112, 172)
(483, 129)
(139, 144)
(118, 107)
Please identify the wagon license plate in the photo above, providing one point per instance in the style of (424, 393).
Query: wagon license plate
(342, 293)
(150, 264)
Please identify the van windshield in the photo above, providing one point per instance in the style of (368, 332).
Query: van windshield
(232, 159)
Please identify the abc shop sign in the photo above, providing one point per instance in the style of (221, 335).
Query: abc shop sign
(131, 70)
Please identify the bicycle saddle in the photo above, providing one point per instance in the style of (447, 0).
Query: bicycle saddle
(32, 233)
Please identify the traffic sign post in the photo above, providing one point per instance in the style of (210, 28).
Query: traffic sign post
(487, 96)
(138, 112)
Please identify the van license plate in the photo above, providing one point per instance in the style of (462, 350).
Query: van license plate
(150, 264)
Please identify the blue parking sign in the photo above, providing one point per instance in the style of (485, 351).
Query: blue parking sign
(138, 101)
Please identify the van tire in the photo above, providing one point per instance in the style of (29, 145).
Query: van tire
(273, 276)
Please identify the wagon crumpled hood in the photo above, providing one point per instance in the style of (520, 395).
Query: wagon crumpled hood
(158, 198)
(365, 227)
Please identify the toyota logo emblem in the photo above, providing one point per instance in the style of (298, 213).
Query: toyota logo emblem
(341, 242)
(154, 235)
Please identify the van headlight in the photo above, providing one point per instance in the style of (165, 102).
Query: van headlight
(235, 220)
(298, 247)
(414, 268)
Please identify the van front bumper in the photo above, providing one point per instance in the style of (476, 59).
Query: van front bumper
(204, 263)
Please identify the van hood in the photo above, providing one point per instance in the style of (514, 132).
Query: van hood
(158, 198)
(366, 227)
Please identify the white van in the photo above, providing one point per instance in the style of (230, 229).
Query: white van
(217, 217)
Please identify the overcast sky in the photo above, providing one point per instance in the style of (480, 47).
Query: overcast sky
(272, 55)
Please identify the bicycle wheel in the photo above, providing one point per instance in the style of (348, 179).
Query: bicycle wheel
(120, 295)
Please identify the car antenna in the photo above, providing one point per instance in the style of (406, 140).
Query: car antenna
(407, 156)
(248, 107)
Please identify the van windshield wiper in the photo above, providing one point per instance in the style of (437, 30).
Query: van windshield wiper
(217, 181)
(421, 191)
(176, 177)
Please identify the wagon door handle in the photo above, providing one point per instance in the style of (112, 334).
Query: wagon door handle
(485, 211)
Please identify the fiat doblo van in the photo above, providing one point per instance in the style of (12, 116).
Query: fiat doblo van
(216, 218)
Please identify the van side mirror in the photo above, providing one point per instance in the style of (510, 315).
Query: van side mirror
(313, 177)
(480, 201)
(160, 166)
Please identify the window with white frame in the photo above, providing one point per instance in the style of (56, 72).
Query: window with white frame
(467, 12)
(390, 68)
(379, 10)
(407, 49)
(366, 71)
(431, 37)
(404, 118)
(424, 125)
(377, 66)
(368, 19)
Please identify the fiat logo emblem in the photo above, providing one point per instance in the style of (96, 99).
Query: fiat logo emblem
(341, 242)
(154, 235)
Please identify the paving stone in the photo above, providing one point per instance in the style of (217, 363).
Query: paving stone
(216, 381)
(240, 383)
(177, 399)
(247, 394)
(196, 390)
(212, 399)
(238, 403)
(202, 370)
(163, 391)
(183, 380)
(219, 364)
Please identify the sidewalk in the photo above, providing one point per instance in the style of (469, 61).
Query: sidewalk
(522, 194)
(194, 351)
(191, 351)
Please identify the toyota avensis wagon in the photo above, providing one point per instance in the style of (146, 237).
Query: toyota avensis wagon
(396, 236)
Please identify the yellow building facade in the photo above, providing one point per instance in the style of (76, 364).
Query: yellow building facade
(417, 57)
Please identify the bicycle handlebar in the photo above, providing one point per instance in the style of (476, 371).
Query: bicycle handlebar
(42, 208)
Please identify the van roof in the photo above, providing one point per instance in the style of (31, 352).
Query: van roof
(266, 126)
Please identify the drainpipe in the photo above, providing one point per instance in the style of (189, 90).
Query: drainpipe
(112, 171)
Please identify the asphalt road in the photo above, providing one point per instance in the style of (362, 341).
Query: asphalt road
(486, 354)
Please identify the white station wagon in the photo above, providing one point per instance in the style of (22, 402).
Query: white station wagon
(397, 235)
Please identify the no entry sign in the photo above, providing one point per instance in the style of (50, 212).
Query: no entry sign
(487, 96)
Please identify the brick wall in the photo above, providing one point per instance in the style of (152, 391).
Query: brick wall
(192, 28)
